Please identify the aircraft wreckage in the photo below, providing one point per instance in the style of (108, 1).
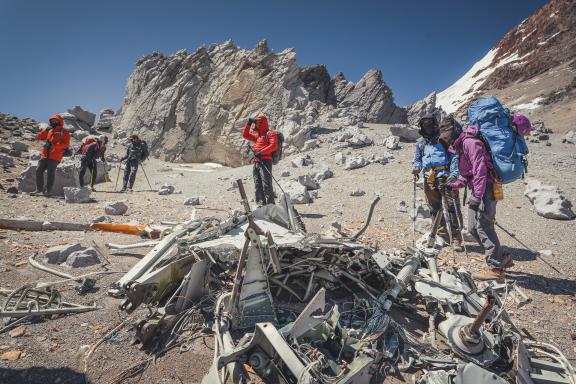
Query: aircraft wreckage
(293, 307)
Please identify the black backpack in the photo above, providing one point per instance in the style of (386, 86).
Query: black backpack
(277, 154)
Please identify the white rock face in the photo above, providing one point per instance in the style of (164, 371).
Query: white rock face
(192, 107)
(548, 200)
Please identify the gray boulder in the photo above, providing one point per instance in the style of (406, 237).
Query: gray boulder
(405, 132)
(357, 192)
(83, 258)
(20, 146)
(423, 222)
(6, 160)
(570, 137)
(166, 189)
(302, 161)
(75, 195)
(355, 162)
(116, 208)
(102, 219)
(340, 158)
(309, 145)
(392, 142)
(285, 173)
(324, 174)
(73, 124)
(309, 182)
(82, 115)
(59, 254)
(548, 200)
(298, 193)
(194, 200)
(354, 138)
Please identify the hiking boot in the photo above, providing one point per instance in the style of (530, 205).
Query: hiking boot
(507, 261)
(36, 193)
(47, 194)
(123, 189)
(457, 246)
(490, 274)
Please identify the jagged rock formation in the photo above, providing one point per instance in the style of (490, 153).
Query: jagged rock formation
(529, 68)
(77, 119)
(105, 119)
(191, 107)
(423, 107)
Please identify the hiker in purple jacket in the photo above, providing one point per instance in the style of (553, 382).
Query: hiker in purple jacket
(475, 165)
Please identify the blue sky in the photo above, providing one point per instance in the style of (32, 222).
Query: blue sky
(57, 54)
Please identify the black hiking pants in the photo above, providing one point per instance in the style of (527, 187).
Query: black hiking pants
(262, 173)
(130, 173)
(50, 167)
(91, 165)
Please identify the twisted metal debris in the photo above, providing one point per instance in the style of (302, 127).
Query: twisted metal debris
(293, 307)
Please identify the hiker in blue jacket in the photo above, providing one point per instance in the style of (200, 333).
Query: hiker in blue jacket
(438, 166)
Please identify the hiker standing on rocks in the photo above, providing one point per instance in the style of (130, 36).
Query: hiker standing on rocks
(136, 153)
(56, 140)
(265, 143)
(477, 173)
(90, 152)
(439, 167)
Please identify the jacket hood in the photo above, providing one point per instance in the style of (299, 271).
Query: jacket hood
(471, 131)
(435, 125)
(60, 120)
(263, 128)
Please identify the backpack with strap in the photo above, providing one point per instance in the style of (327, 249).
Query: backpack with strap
(507, 148)
(277, 154)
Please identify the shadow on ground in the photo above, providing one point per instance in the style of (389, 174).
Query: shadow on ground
(41, 375)
(549, 285)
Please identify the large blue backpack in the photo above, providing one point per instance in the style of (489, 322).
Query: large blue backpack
(507, 148)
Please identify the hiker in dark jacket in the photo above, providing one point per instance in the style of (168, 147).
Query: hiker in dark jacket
(438, 166)
(136, 153)
(265, 143)
(90, 151)
(476, 173)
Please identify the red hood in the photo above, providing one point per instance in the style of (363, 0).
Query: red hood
(263, 128)
(59, 118)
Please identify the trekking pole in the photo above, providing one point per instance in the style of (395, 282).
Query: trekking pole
(118, 177)
(414, 215)
(512, 235)
(145, 175)
(458, 213)
(446, 216)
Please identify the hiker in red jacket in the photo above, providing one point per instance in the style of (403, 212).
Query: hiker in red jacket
(56, 139)
(265, 143)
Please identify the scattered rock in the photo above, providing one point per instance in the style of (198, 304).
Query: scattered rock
(355, 162)
(309, 145)
(354, 138)
(194, 200)
(15, 153)
(570, 137)
(166, 189)
(18, 331)
(405, 132)
(6, 160)
(284, 173)
(324, 174)
(298, 193)
(11, 355)
(309, 182)
(116, 208)
(83, 258)
(102, 219)
(302, 161)
(546, 253)
(12, 190)
(392, 142)
(79, 134)
(548, 200)
(75, 195)
(20, 146)
(340, 158)
(423, 219)
(59, 254)
(357, 192)
(381, 159)
(403, 207)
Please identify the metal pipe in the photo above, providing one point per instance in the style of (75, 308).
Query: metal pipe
(131, 246)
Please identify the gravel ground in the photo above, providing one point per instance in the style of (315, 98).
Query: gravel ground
(54, 348)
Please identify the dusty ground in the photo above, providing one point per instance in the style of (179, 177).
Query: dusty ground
(53, 347)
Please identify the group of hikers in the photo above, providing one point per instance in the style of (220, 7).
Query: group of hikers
(489, 152)
(56, 140)
(480, 158)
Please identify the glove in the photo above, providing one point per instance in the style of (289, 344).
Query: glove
(258, 154)
(474, 203)
(251, 121)
(416, 174)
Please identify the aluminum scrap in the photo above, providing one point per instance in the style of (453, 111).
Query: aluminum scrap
(297, 307)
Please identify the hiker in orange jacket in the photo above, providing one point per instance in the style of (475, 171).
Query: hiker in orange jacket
(265, 143)
(56, 140)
